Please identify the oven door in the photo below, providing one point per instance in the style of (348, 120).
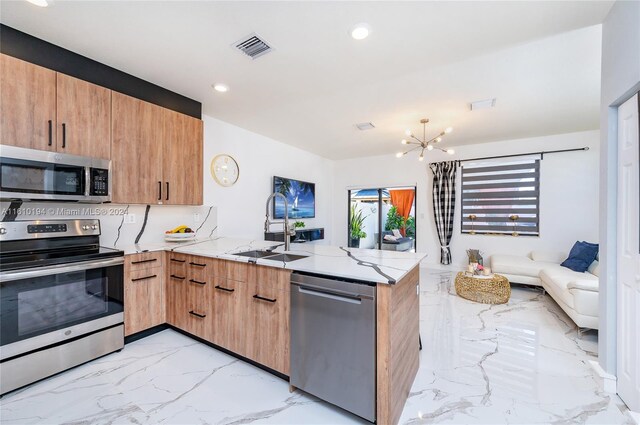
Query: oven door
(47, 305)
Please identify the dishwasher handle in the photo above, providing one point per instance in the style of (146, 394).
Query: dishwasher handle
(353, 299)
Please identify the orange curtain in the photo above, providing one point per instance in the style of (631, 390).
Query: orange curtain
(403, 201)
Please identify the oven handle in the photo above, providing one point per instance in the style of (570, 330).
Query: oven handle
(58, 269)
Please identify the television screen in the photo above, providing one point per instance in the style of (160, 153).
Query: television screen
(301, 197)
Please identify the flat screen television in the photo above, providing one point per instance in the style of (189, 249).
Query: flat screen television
(301, 197)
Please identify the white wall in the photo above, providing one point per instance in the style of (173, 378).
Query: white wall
(620, 80)
(569, 194)
(241, 207)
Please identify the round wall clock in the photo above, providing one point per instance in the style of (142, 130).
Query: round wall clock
(224, 170)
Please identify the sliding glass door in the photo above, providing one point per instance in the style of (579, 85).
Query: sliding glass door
(382, 218)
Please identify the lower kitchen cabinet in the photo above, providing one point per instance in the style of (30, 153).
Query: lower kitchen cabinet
(241, 307)
(144, 297)
(228, 314)
(266, 314)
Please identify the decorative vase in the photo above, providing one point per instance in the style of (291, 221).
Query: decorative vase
(354, 243)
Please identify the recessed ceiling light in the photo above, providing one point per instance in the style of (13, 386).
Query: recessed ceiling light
(222, 88)
(360, 31)
(482, 104)
(41, 3)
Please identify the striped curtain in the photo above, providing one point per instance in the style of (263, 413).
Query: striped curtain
(444, 204)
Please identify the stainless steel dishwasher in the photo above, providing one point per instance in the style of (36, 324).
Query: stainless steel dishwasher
(333, 342)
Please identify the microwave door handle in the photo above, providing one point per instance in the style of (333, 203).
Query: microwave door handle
(88, 182)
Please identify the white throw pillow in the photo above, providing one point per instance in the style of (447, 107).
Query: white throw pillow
(396, 233)
(390, 238)
(594, 268)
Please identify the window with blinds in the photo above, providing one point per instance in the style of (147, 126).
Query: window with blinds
(501, 199)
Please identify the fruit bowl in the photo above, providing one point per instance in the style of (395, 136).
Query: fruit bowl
(179, 234)
(173, 237)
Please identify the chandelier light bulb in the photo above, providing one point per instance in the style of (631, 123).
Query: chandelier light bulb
(421, 157)
(429, 147)
(404, 141)
(407, 132)
(450, 151)
(438, 139)
(399, 154)
(448, 130)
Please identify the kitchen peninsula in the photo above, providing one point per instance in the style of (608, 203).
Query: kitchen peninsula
(241, 303)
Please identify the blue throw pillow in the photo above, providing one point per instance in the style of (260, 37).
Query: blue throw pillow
(581, 256)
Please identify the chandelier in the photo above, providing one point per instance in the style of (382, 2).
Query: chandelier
(423, 143)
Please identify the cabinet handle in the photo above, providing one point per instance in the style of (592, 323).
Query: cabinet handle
(258, 297)
(167, 198)
(159, 191)
(50, 133)
(197, 281)
(197, 264)
(144, 278)
(222, 288)
(177, 261)
(64, 135)
(144, 261)
(202, 316)
(173, 276)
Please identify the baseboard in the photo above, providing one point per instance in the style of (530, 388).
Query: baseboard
(145, 333)
(606, 381)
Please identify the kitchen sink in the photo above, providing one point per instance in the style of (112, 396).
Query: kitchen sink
(286, 257)
(256, 254)
(269, 255)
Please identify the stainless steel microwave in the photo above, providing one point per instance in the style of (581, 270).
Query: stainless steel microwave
(30, 174)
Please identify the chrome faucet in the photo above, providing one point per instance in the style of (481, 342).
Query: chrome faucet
(289, 230)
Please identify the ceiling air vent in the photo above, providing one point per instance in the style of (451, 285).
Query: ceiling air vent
(253, 46)
(365, 126)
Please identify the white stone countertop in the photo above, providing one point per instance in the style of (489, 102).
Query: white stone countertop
(368, 265)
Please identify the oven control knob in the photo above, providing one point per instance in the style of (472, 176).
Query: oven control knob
(3, 231)
(85, 227)
(94, 226)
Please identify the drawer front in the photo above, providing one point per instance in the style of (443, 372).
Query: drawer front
(198, 314)
(177, 265)
(145, 260)
(204, 266)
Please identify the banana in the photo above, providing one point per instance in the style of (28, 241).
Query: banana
(179, 229)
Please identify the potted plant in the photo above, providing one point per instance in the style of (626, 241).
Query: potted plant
(355, 227)
(298, 224)
(396, 221)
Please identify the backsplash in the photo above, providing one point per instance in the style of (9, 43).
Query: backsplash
(115, 232)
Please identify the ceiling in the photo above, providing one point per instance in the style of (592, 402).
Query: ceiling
(541, 60)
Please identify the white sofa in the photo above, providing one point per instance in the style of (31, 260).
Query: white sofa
(576, 293)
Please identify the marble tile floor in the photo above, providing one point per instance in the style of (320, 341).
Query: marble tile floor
(520, 362)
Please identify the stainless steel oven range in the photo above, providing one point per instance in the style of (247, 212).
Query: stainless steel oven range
(61, 298)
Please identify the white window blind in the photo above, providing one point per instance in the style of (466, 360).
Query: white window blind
(501, 198)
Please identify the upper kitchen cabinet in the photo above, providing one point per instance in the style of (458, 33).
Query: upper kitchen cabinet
(182, 159)
(45, 110)
(136, 150)
(27, 104)
(84, 118)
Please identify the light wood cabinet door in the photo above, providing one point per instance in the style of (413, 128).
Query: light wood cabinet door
(228, 314)
(136, 150)
(182, 159)
(176, 289)
(144, 295)
(27, 104)
(267, 323)
(84, 118)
